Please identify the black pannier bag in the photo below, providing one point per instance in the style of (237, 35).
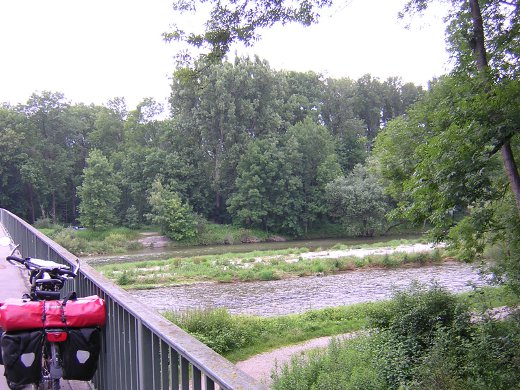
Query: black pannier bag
(1, 334)
(80, 353)
(22, 356)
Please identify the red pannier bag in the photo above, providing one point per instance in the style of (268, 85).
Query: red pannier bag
(22, 314)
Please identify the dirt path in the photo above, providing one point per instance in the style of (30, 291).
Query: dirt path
(260, 366)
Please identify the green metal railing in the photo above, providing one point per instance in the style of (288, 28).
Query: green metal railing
(142, 350)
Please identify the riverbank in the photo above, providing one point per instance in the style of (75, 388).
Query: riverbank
(105, 243)
(269, 265)
(261, 366)
(239, 337)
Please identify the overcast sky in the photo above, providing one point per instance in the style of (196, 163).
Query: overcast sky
(96, 50)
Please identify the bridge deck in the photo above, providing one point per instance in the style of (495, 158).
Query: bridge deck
(13, 283)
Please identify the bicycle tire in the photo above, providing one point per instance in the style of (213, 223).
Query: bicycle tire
(47, 384)
(50, 385)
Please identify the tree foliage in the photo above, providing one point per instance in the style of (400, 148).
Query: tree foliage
(441, 160)
(99, 193)
(358, 201)
(174, 216)
(239, 21)
(220, 125)
(268, 192)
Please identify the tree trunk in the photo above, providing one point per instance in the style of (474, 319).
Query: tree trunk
(479, 49)
(512, 171)
(33, 212)
(53, 207)
(477, 44)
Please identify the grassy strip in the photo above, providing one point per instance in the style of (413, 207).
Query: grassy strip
(239, 337)
(82, 242)
(383, 244)
(253, 266)
(222, 234)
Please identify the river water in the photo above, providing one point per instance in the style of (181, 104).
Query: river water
(301, 294)
(189, 251)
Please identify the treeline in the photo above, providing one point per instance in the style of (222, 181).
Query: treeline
(243, 143)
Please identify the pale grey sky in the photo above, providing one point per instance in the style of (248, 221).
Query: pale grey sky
(96, 50)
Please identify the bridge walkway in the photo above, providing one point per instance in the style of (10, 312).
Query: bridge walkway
(13, 284)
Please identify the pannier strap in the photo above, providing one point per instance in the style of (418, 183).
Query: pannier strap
(72, 296)
(44, 316)
(62, 309)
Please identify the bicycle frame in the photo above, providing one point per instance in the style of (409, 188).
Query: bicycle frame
(46, 278)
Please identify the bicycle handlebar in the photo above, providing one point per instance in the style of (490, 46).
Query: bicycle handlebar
(32, 266)
(15, 258)
(67, 272)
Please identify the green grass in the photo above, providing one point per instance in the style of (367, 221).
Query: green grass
(252, 266)
(81, 242)
(425, 340)
(222, 234)
(488, 297)
(239, 337)
(383, 244)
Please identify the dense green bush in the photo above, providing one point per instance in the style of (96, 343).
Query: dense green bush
(45, 223)
(68, 238)
(343, 366)
(216, 328)
(423, 340)
(94, 242)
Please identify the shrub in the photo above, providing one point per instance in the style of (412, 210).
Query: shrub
(215, 328)
(132, 218)
(44, 223)
(67, 238)
(125, 279)
(268, 274)
(175, 217)
(343, 366)
(417, 310)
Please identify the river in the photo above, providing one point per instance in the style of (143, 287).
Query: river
(297, 295)
(190, 251)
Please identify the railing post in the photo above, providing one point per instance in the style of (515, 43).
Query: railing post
(144, 357)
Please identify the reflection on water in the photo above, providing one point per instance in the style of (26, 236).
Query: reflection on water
(302, 294)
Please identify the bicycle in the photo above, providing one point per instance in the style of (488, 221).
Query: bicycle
(47, 338)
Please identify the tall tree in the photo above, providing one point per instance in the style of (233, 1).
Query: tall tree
(268, 193)
(317, 166)
(339, 116)
(99, 193)
(453, 168)
(49, 167)
(369, 105)
(302, 95)
(12, 156)
(358, 201)
(221, 111)
(488, 49)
